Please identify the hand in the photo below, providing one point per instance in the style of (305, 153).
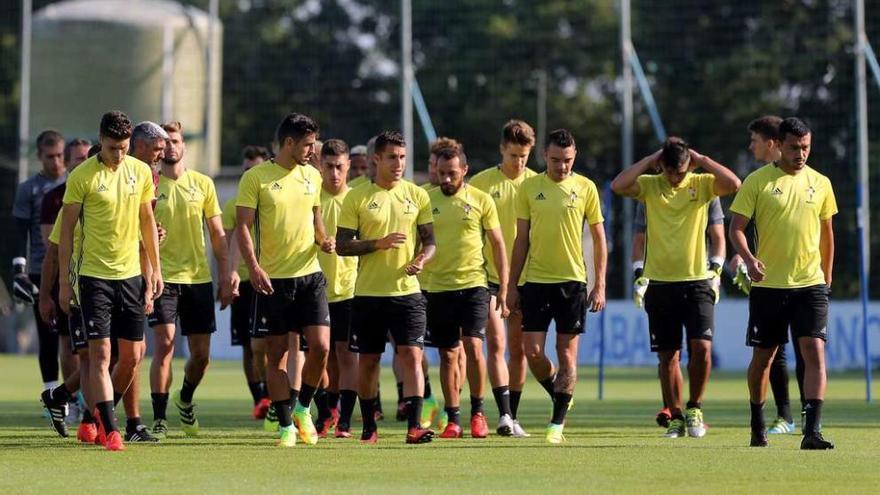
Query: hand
(755, 268)
(695, 161)
(161, 231)
(47, 309)
(328, 245)
(640, 287)
(65, 294)
(157, 284)
(224, 292)
(260, 280)
(235, 280)
(654, 164)
(513, 298)
(149, 298)
(501, 302)
(391, 241)
(415, 266)
(596, 299)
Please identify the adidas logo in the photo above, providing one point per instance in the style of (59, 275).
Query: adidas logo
(776, 191)
(496, 194)
(707, 332)
(540, 197)
(373, 205)
(102, 188)
(435, 210)
(275, 187)
(162, 196)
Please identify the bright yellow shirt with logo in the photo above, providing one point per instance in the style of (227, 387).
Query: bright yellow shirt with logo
(182, 206)
(503, 192)
(284, 201)
(788, 211)
(359, 181)
(374, 212)
(460, 224)
(556, 213)
(340, 271)
(229, 216)
(676, 233)
(111, 201)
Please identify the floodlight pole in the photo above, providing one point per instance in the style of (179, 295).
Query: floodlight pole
(211, 82)
(862, 193)
(626, 134)
(541, 75)
(24, 112)
(406, 83)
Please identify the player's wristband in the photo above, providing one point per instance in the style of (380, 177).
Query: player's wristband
(19, 265)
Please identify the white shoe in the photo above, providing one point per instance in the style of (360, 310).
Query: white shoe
(74, 413)
(505, 426)
(518, 431)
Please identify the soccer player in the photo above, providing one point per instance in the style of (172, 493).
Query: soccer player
(112, 193)
(680, 292)
(185, 203)
(369, 172)
(26, 269)
(283, 196)
(244, 311)
(381, 222)
(360, 163)
(551, 209)
(792, 206)
(764, 146)
(502, 184)
(340, 272)
(456, 284)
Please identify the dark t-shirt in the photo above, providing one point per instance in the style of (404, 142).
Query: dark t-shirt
(53, 201)
(27, 206)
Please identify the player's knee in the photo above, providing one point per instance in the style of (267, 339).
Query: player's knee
(534, 353)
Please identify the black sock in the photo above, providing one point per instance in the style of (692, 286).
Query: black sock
(87, 417)
(294, 393)
(282, 410)
(347, 399)
(160, 405)
(333, 400)
(502, 399)
(814, 416)
(694, 405)
(367, 407)
(757, 416)
(547, 383)
(305, 395)
(476, 405)
(560, 407)
(413, 411)
(187, 391)
(108, 415)
(427, 387)
(678, 416)
(321, 403)
(60, 394)
(400, 392)
(515, 396)
(131, 424)
(256, 391)
(116, 398)
(264, 390)
(783, 410)
(454, 414)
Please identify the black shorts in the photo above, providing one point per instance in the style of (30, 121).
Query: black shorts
(76, 330)
(563, 302)
(192, 304)
(773, 311)
(340, 320)
(297, 303)
(244, 314)
(373, 318)
(673, 305)
(493, 289)
(112, 308)
(455, 314)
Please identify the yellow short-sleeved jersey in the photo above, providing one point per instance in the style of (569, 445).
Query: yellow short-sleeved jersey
(340, 271)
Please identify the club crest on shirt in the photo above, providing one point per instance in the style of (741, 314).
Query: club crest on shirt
(692, 193)
(572, 199)
(409, 207)
(811, 193)
(309, 187)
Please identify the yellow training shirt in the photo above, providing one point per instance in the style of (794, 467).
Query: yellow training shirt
(676, 233)
(787, 210)
(111, 201)
(182, 206)
(556, 213)
(374, 213)
(503, 191)
(358, 181)
(460, 223)
(340, 271)
(55, 238)
(284, 200)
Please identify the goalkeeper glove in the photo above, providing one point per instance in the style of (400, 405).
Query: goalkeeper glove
(715, 277)
(640, 284)
(23, 290)
(742, 279)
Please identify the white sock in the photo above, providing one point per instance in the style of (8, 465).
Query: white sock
(50, 385)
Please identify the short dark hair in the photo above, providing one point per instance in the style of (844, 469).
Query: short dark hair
(450, 152)
(334, 147)
(442, 142)
(518, 132)
(95, 149)
(48, 138)
(115, 125)
(562, 138)
(295, 126)
(793, 126)
(74, 142)
(252, 152)
(675, 152)
(767, 126)
(386, 138)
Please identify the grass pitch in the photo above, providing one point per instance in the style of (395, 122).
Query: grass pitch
(613, 447)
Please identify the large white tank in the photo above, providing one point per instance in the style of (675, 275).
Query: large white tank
(148, 58)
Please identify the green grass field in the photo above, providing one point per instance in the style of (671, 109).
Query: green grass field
(613, 447)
